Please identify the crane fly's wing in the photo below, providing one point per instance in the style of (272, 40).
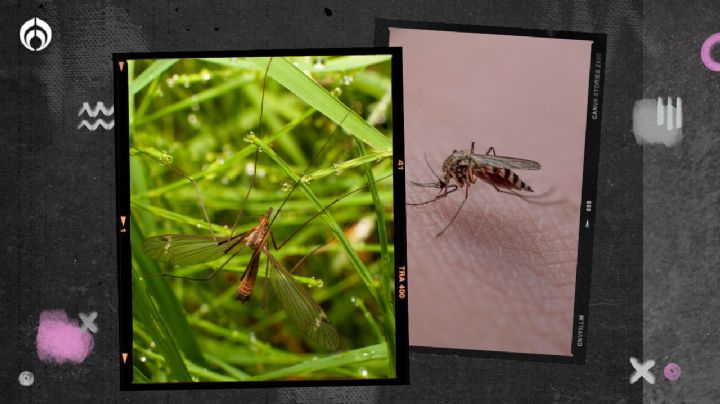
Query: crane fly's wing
(181, 249)
(301, 308)
(511, 163)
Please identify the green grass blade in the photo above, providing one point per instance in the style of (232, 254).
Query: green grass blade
(149, 74)
(180, 218)
(345, 63)
(198, 98)
(146, 312)
(292, 78)
(158, 289)
(372, 352)
(346, 165)
(139, 376)
(240, 64)
(388, 273)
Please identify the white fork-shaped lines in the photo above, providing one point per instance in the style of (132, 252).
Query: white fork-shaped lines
(665, 113)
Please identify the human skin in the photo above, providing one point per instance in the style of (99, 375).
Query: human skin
(502, 277)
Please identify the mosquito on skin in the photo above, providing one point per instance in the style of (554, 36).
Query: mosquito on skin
(183, 250)
(464, 167)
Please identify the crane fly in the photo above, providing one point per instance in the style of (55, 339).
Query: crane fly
(300, 307)
(184, 249)
(464, 167)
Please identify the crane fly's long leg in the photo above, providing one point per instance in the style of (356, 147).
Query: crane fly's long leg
(257, 152)
(247, 194)
(265, 297)
(192, 181)
(323, 210)
(456, 213)
(207, 278)
(332, 135)
(306, 255)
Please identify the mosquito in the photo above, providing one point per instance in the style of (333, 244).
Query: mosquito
(465, 167)
(183, 250)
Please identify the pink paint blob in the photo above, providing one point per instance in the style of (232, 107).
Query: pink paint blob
(672, 371)
(60, 340)
(705, 54)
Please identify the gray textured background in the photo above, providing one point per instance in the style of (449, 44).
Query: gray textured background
(681, 230)
(58, 194)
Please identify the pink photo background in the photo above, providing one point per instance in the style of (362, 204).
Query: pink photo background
(502, 278)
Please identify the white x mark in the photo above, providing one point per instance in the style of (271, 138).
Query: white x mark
(88, 323)
(642, 371)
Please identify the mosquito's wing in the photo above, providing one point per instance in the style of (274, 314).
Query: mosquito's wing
(181, 249)
(301, 308)
(507, 162)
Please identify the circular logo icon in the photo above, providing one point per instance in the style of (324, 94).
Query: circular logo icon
(35, 34)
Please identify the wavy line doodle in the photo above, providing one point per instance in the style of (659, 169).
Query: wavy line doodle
(92, 112)
(94, 125)
(99, 106)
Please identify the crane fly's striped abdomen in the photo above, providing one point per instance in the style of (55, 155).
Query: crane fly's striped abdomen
(247, 281)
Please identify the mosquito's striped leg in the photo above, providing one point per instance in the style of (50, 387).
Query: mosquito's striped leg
(192, 181)
(207, 278)
(456, 213)
(321, 211)
(332, 135)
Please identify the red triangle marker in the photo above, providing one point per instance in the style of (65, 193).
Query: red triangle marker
(124, 356)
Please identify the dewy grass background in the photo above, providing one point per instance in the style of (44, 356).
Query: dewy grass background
(201, 116)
